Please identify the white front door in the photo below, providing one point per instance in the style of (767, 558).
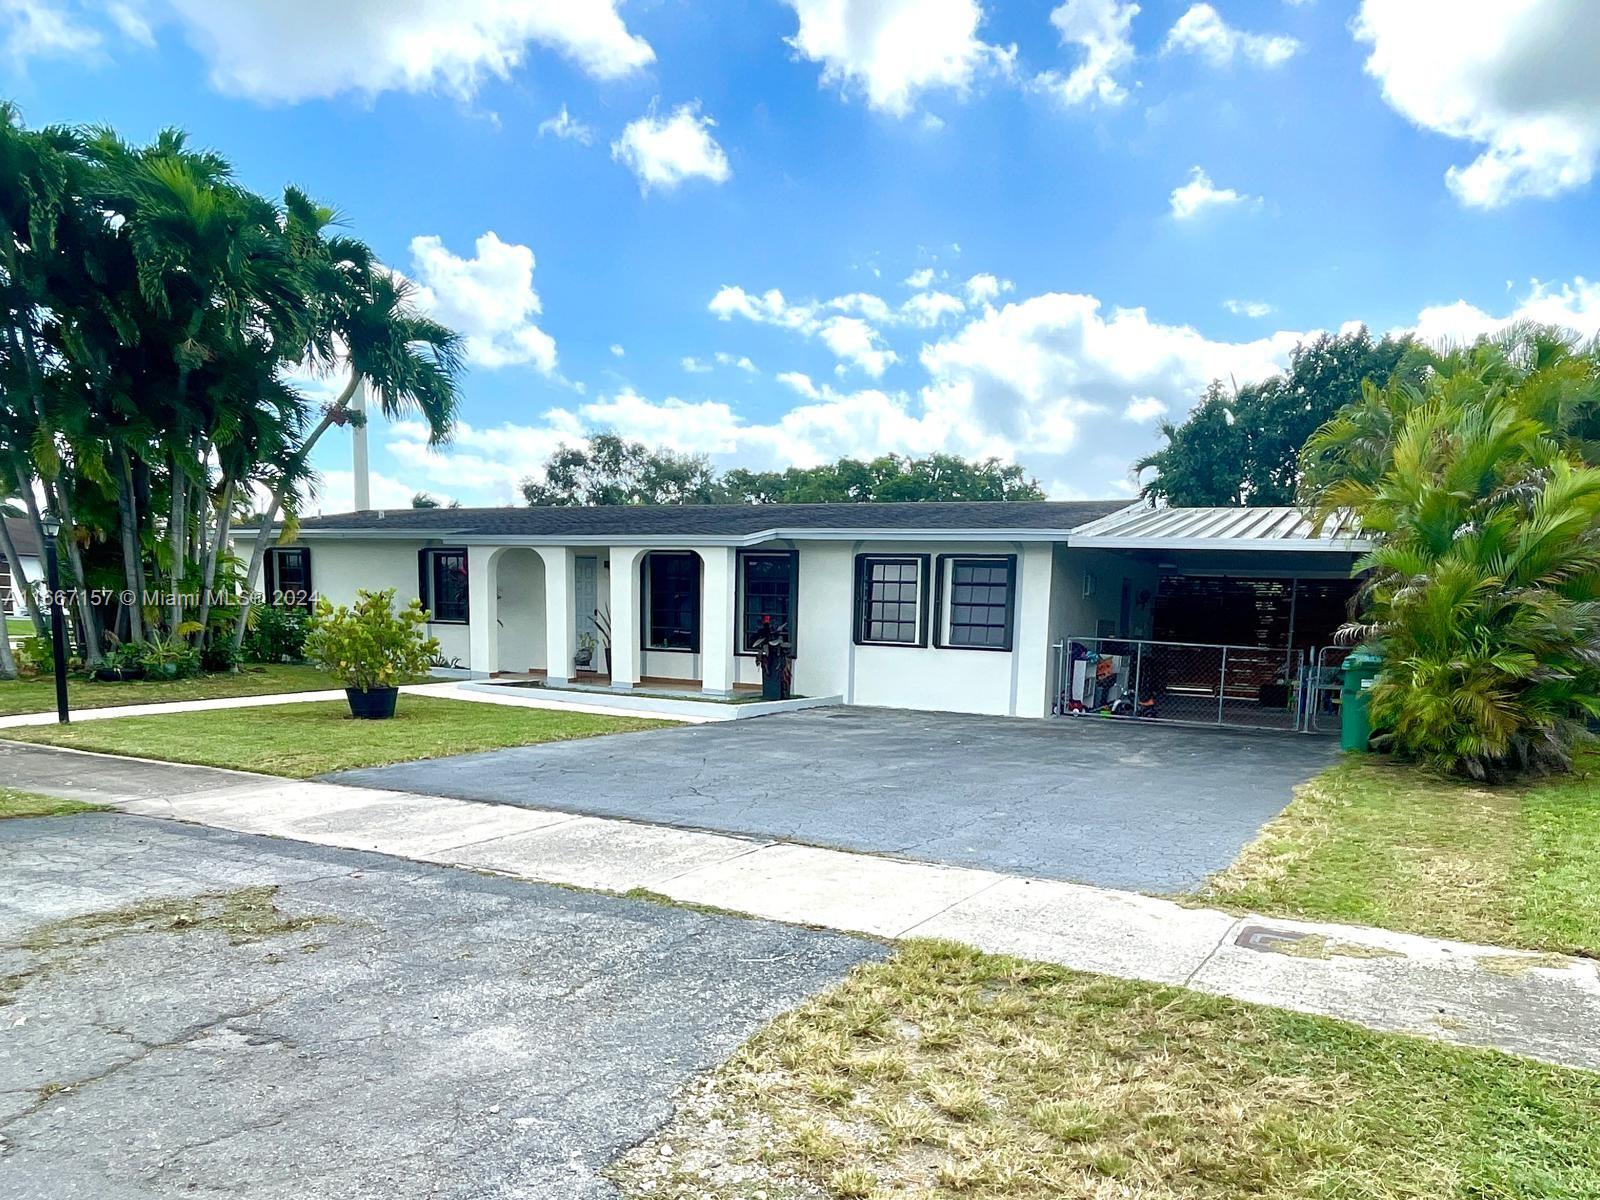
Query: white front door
(585, 585)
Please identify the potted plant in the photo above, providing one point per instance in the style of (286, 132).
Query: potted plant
(585, 655)
(124, 662)
(773, 650)
(371, 647)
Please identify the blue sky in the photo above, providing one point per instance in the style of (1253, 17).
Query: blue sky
(1026, 229)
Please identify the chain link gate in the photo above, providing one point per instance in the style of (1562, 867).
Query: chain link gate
(1192, 683)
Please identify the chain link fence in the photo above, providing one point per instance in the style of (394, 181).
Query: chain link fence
(1248, 687)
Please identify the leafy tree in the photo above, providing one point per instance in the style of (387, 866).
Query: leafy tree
(887, 478)
(609, 470)
(1242, 445)
(1483, 590)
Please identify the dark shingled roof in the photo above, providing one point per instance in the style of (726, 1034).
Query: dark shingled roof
(22, 536)
(717, 520)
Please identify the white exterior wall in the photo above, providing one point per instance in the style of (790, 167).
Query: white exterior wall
(339, 569)
(520, 581)
(947, 679)
(30, 570)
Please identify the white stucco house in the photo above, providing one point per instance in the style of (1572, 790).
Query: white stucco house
(28, 569)
(942, 606)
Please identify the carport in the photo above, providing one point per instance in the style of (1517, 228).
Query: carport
(1208, 616)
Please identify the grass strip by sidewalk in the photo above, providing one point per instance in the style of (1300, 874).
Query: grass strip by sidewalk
(29, 804)
(947, 1074)
(19, 696)
(1371, 843)
(314, 738)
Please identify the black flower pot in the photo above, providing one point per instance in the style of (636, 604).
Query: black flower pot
(372, 704)
(772, 685)
(118, 674)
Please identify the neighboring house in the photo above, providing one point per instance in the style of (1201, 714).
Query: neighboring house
(943, 606)
(13, 576)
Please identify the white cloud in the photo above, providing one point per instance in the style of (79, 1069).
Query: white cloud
(1199, 195)
(853, 341)
(336, 493)
(865, 304)
(44, 29)
(920, 279)
(929, 308)
(1248, 308)
(1144, 408)
(664, 152)
(566, 127)
(488, 298)
(1100, 29)
(1201, 30)
(694, 365)
(985, 288)
(617, 351)
(292, 50)
(895, 50)
(131, 21)
(737, 360)
(1064, 384)
(1518, 79)
(1574, 306)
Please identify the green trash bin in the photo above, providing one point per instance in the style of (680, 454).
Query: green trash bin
(1361, 667)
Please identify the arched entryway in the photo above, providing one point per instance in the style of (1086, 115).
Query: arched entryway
(519, 611)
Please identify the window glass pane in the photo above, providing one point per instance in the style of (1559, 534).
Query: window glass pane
(289, 580)
(890, 599)
(768, 582)
(674, 601)
(449, 580)
(980, 594)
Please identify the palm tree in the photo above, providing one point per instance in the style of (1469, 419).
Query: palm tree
(367, 325)
(1483, 589)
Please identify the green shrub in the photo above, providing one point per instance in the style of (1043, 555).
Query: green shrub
(35, 656)
(277, 635)
(169, 658)
(372, 644)
(218, 653)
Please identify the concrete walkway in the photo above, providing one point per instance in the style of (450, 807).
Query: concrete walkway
(450, 690)
(1537, 1005)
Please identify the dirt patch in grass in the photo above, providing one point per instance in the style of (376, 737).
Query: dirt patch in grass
(946, 1074)
(29, 804)
(243, 916)
(314, 738)
(1370, 843)
(1317, 946)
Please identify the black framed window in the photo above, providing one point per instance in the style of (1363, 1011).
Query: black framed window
(672, 601)
(288, 576)
(442, 584)
(768, 582)
(982, 592)
(891, 599)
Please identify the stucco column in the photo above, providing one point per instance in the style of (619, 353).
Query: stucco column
(1031, 654)
(624, 615)
(483, 627)
(716, 621)
(560, 616)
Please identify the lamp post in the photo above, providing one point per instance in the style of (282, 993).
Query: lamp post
(58, 619)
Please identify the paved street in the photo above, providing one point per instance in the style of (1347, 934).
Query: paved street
(372, 1028)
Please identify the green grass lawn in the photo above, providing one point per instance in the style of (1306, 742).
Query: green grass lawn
(27, 804)
(1372, 843)
(315, 737)
(946, 1074)
(19, 627)
(39, 695)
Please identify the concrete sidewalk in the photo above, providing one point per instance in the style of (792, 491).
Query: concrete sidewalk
(1537, 1005)
(448, 690)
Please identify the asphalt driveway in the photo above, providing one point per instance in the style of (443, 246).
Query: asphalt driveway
(170, 1025)
(1141, 806)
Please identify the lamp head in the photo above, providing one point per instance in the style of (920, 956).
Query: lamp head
(52, 525)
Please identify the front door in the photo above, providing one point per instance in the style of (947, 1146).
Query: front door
(585, 585)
